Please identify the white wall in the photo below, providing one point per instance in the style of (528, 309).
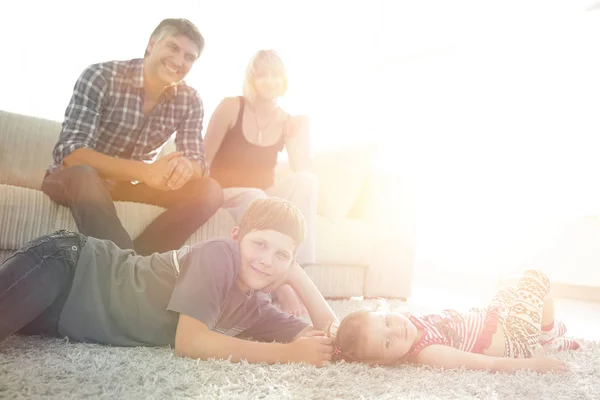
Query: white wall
(46, 50)
(491, 106)
(497, 104)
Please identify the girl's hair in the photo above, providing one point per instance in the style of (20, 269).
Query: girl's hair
(274, 213)
(349, 336)
(268, 59)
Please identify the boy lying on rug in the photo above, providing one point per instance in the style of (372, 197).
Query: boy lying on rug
(502, 337)
(205, 300)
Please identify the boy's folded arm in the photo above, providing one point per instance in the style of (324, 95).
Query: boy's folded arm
(449, 358)
(320, 312)
(193, 339)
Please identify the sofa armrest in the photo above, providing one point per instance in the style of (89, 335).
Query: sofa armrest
(390, 273)
(387, 199)
(391, 210)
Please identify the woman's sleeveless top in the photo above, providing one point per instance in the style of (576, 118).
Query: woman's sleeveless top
(239, 163)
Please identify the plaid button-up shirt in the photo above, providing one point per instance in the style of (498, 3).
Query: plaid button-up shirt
(106, 114)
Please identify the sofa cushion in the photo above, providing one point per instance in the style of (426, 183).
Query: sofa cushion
(341, 174)
(25, 214)
(30, 213)
(4, 254)
(26, 145)
(335, 280)
(344, 242)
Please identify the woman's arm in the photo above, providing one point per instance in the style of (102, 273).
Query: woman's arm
(297, 142)
(449, 358)
(221, 120)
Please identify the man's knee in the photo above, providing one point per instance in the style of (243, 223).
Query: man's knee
(72, 183)
(77, 175)
(206, 192)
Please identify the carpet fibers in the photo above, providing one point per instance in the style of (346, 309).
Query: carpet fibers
(34, 367)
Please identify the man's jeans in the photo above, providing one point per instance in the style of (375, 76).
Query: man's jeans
(35, 283)
(90, 199)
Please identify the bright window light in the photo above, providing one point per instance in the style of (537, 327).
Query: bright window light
(490, 107)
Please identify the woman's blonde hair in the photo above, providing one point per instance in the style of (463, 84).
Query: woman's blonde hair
(268, 59)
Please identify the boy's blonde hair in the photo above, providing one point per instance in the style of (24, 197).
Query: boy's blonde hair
(349, 337)
(276, 214)
(270, 60)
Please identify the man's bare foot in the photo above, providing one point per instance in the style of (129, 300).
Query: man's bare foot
(290, 302)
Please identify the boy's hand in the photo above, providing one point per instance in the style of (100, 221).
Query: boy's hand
(314, 333)
(284, 277)
(315, 349)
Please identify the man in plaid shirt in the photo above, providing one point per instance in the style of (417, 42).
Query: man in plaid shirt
(120, 116)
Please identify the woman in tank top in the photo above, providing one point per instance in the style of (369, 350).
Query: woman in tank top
(245, 134)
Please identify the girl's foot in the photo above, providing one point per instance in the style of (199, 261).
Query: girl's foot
(560, 344)
(555, 329)
(561, 327)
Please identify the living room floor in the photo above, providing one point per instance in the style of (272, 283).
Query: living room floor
(581, 317)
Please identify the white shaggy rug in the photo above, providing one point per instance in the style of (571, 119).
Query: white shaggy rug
(33, 367)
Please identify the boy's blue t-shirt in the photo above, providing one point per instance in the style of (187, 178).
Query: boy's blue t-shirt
(124, 299)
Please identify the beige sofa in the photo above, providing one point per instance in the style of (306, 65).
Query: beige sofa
(365, 243)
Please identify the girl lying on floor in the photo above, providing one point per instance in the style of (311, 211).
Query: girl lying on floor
(504, 337)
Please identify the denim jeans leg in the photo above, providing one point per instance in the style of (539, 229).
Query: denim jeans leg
(187, 209)
(82, 190)
(36, 276)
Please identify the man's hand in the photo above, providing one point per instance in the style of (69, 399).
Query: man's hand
(180, 172)
(158, 173)
(315, 349)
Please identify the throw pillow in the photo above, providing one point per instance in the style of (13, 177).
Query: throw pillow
(341, 174)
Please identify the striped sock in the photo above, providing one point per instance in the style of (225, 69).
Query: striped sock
(553, 330)
(560, 344)
(562, 328)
